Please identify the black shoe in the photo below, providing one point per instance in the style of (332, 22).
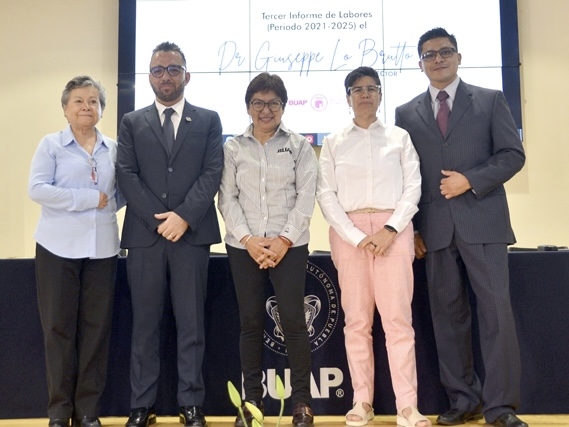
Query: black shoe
(192, 416)
(247, 414)
(508, 419)
(457, 416)
(141, 417)
(302, 416)
(87, 422)
(58, 422)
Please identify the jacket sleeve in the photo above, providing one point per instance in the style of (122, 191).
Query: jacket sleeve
(139, 198)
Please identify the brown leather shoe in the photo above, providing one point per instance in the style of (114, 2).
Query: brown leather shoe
(302, 416)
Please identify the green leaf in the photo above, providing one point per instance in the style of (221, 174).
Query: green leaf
(234, 395)
(256, 423)
(280, 387)
(256, 412)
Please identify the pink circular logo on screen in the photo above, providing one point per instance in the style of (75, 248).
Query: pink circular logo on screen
(319, 102)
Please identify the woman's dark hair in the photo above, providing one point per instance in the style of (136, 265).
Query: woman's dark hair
(266, 82)
(358, 73)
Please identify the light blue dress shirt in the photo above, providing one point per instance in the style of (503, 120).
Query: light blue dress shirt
(65, 180)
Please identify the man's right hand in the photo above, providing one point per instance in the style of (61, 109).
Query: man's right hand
(420, 248)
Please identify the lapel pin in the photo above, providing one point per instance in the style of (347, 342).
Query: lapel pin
(188, 119)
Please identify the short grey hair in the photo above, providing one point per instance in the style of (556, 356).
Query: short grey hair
(79, 82)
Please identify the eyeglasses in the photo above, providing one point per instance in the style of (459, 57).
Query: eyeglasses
(274, 105)
(431, 55)
(359, 90)
(173, 70)
(94, 175)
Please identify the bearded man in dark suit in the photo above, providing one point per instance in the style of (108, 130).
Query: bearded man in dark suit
(169, 164)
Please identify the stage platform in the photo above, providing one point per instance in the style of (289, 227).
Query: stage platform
(540, 297)
(320, 421)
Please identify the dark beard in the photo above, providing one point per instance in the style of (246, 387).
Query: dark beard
(167, 98)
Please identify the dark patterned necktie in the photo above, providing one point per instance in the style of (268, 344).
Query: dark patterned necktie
(168, 129)
(444, 112)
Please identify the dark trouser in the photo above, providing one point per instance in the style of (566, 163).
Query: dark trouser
(288, 280)
(75, 299)
(183, 268)
(485, 267)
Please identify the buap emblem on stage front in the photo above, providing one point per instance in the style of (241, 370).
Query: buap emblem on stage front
(321, 310)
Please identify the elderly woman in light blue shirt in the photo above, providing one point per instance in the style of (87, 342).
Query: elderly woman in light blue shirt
(72, 177)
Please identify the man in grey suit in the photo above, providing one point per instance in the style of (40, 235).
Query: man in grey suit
(169, 164)
(464, 229)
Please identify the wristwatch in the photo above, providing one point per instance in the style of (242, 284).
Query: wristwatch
(390, 228)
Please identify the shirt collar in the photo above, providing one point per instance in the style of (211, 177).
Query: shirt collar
(249, 131)
(67, 137)
(450, 89)
(377, 124)
(178, 107)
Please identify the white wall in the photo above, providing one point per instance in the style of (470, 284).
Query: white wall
(43, 43)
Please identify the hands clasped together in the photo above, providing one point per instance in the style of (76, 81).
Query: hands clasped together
(266, 251)
(173, 227)
(379, 242)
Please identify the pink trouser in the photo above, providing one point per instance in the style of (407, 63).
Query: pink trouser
(384, 281)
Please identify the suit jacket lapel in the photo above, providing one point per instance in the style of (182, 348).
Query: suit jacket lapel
(425, 111)
(151, 115)
(461, 103)
(186, 122)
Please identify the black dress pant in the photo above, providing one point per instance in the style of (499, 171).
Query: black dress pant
(288, 280)
(75, 299)
(485, 268)
(178, 270)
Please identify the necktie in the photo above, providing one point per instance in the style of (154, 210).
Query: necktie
(168, 129)
(444, 112)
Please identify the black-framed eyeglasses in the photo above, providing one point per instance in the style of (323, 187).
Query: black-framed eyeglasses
(274, 105)
(431, 55)
(360, 90)
(173, 70)
(94, 174)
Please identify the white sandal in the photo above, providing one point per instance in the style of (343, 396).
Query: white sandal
(413, 419)
(359, 411)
